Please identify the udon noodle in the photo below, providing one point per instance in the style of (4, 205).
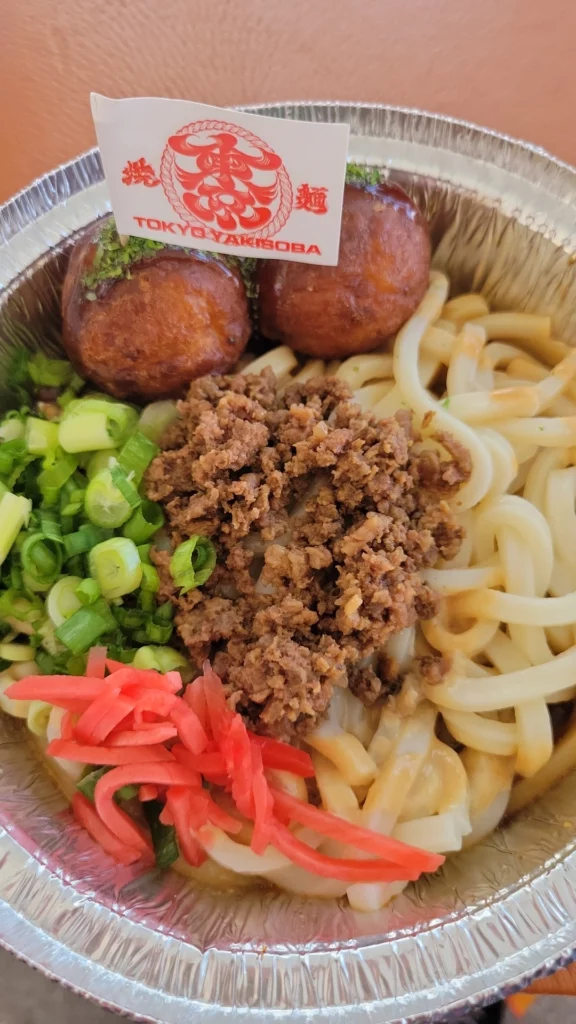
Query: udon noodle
(499, 385)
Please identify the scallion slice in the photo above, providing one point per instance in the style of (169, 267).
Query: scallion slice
(49, 373)
(18, 611)
(115, 565)
(162, 659)
(158, 634)
(88, 591)
(103, 609)
(41, 559)
(150, 579)
(146, 601)
(87, 433)
(163, 836)
(104, 503)
(144, 552)
(85, 538)
(41, 436)
(125, 485)
(101, 460)
(58, 467)
(193, 563)
(82, 630)
(62, 600)
(137, 454)
(12, 428)
(145, 522)
(50, 525)
(12, 453)
(14, 514)
(122, 419)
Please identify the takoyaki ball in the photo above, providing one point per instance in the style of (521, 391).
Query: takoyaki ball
(381, 276)
(142, 320)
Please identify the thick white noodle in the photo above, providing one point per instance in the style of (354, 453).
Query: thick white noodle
(507, 614)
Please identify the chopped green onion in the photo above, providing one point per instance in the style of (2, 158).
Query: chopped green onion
(41, 436)
(163, 836)
(16, 576)
(87, 786)
(144, 552)
(49, 373)
(103, 609)
(88, 591)
(146, 601)
(164, 612)
(122, 419)
(66, 525)
(17, 610)
(62, 601)
(162, 659)
(75, 566)
(101, 460)
(122, 481)
(11, 453)
(38, 717)
(123, 654)
(41, 559)
(84, 539)
(156, 418)
(150, 579)
(116, 566)
(50, 525)
(11, 429)
(104, 503)
(158, 634)
(75, 502)
(82, 630)
(14, 514)
(193, 563)
(58, 467)
(3, 489)
(69, 395)
(46, 663)
(129, 618)
(34, 585)
(137, 454)
(145, 522)
(87, 433)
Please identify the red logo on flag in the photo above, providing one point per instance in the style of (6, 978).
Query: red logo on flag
(312, 199)
(222, 176)
(138, 172)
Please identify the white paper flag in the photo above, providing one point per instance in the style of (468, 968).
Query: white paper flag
(223, 180)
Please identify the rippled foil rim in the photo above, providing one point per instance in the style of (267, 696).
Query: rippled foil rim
(431, 972)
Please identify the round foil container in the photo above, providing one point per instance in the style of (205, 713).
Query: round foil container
(163, 949)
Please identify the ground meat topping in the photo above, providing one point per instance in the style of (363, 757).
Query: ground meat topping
(322, 518)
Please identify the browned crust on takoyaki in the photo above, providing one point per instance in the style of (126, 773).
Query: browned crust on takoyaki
(177, 316)
(381, 276)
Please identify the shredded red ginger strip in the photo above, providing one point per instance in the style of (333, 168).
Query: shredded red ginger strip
(169, 745)
(148, 792)
(96, 664)
(87, 815)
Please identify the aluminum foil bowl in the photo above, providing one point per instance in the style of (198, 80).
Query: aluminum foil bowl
(161, 949)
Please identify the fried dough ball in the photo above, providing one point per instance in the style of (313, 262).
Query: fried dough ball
(381, 276)
(142, 320)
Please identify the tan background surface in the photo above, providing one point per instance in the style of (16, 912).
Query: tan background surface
(508, 64)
